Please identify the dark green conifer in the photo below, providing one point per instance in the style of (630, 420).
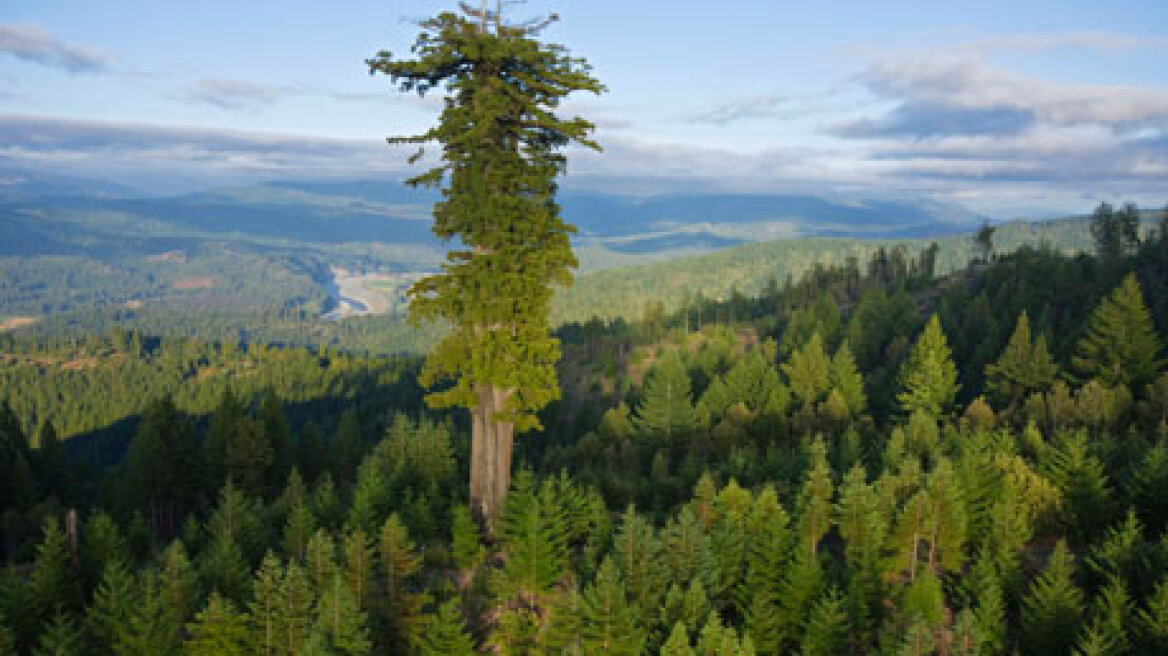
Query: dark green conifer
(1052, 609)
(61, 637)
(1121, 346)
(1025, 367)
(666, 408)
(608, 622)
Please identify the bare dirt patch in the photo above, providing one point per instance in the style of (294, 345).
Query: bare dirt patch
(13, 323)
(203, 282)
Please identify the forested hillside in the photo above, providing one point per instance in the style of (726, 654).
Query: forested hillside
(867, 458)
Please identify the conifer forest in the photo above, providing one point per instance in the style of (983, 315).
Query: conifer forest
(912, 450)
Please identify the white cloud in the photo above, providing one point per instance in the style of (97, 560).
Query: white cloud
(31, 43)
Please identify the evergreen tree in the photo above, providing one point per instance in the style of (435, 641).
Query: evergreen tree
(265, 605)
(666, 408)
(1052, 610)
(929, 377)
(152, 628)
(1120, 346)
(52, 582)
(678, 643)
(608, 623)
(113, 601)
(465, 546)
(160, 467)
(846, 379)
(501, 144)
(341, 622)
(827, 627)
(444, 634)
(399, 565)
(1025, 367)
(809, 372)
(1153, 621)
(534, 533)
(61, 637)
(220, 629)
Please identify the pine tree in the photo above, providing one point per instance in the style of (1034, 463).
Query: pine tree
(399, 564)
(113, 600)
(465, 545)
(249, 456)
(265, 605)
(608, 623)
(220, 629)
(1025, 367)
(444, 634)
(1153, 621)
(1120, 346)
(52, 583)
(827, 627)
(846, 379)
(678, 643)
(1052, 610)
(809, 372)
(534, 533)
(501, 144)
(179, 583)
(294, 612)
(929, 377)
(666, 408)
(338, 617)
(152, 628)
(61, 637)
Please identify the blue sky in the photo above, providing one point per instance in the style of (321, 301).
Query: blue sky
(1010, 108)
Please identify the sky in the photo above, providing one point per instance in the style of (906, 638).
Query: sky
(1009, 108)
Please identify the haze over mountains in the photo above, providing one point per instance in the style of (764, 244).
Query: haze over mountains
(45, 215)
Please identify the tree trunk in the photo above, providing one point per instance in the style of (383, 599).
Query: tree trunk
(490, 455)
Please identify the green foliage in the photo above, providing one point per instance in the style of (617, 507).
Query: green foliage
(220, 629)
(500, 142)
(809, 372)
(61, 637)
(1025, 367)
(444, 634)
(827, 627)
(929, 377)
(608, 622)
(666, 408)
(1051, 611)
(1120, 346)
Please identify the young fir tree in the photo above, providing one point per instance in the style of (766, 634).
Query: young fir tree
(534, 533)
(666, 408)
(113, 601)
(399, 564)
(847, 380)
(61, 637)
(1025, 367)
(678, 643)
(827, 627)
(444, 634)
(809, 372)
(220, 629)
(1052, 610)
(501, 141)
(929, 377)
(1121, 346)
(608, 623)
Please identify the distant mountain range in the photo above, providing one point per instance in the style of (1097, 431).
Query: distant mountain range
(36, 209)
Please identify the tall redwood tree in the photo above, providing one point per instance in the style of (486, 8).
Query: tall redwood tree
(501, 152)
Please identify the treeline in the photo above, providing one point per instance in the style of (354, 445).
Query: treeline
(860, 461)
